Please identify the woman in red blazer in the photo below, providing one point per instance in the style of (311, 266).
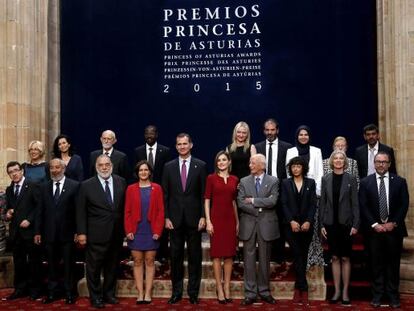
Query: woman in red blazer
(144, 221)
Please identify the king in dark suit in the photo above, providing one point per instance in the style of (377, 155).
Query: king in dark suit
(99, 218)
(119, 159)
(23, 204)
(364, 155)
(57, 227)
(275, 150)
(257, 199)
(384, 199)
(183, 184)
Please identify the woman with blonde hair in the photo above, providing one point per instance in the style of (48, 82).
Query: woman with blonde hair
(36, 170)
(240, 150)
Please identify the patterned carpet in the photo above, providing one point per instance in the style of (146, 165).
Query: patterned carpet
(205, 304)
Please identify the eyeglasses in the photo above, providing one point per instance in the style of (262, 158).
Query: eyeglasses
(381, 162)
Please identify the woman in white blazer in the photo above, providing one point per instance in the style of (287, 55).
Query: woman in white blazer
(311, 154)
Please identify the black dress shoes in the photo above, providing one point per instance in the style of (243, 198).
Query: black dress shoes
(395, 304)
(111, 300)
(375, 304)
(16, 295)
(248, 301)
(49, 299)
(97, 303)
(194, 300)
(70, 300)
(268, 299)
(34, 296)
(174, 299)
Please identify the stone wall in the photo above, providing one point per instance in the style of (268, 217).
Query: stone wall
(395, 24)
(29, 77)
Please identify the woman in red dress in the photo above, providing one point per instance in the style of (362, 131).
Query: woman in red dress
(222, 222)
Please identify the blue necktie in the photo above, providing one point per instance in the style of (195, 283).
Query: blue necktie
(108, 193)
(257, 185)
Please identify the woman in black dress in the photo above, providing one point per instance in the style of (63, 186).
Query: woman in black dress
(299, 206)
(63, 149)
(240, 150)
(339, 219)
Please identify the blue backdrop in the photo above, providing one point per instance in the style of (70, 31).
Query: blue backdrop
(317, 67)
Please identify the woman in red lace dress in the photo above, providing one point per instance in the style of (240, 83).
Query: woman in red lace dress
(222, 222)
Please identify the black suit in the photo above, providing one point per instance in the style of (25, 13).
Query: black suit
(57, 224)
(26, 255)
(103, 225)
(278, 253)
(184, 209)
(282, 148)
(361, 156)
(385, 247)
(162, 156)
(119, 161)
(301, 211)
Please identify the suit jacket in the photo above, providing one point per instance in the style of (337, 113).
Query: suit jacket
(26, 206)
(95, 217)
(162, 156)
(305, 211)
(398, 198)
(74, 169)
(361, 156)
(348, 207)
(267, 221)
(133, 209)
(184, 206)
(119, 163)
(57, 222)
(282, 148)
(315, 164)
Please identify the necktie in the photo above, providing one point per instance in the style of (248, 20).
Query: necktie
(108, 192)
(183, 174)
(57, 192)
(383, 200)
(257, 185)
(151, 157)
(16, 190)
(107, 153)
(269, 159)
(371, 167)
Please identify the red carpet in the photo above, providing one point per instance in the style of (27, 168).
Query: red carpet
(205, 304)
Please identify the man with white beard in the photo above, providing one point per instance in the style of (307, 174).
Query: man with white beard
(56, 228)
(99, 218)
(119, 159)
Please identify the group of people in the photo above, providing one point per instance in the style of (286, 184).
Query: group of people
(261, 194)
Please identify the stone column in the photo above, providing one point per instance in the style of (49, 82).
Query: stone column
(395, 33)
(29, 77)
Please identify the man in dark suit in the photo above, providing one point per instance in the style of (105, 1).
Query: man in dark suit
(183, 184)
(157, 155)
(256, 199)
(275, 150)
(99, 219)
(57, 227)
(119, 159)
(153, 152)
(23, 203)
(384, 199)
(364, 155)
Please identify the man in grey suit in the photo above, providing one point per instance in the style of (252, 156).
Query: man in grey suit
(257, 198)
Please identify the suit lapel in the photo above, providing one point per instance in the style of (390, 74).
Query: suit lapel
(191, 174)
(22, 192)
(344, 186)
(329, 187)
(101, 192)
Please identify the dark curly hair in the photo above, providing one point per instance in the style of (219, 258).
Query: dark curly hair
(298, 161)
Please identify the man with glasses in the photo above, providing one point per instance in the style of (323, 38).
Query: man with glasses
(384, 200)
(23, 204)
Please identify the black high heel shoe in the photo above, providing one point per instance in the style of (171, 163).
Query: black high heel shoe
(221, 301)
(228, 300)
